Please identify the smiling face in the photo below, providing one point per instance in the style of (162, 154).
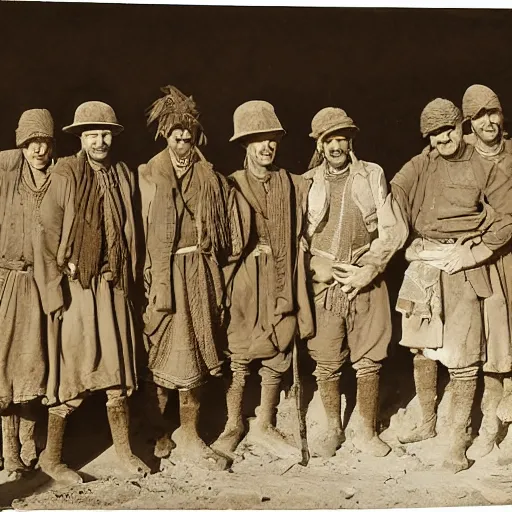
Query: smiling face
(447, 139)
(38, 152)
(336, 149)
(96, 143)
(261, 149)
(488, 126)
(180, 142)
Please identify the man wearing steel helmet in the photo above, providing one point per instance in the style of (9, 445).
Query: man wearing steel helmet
(456, 204)
(354, 228)
(24, 179)
(89, 267)
(267, 287)
(187, 208)
(482, 111)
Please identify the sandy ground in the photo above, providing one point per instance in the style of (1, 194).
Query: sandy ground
(410, 476)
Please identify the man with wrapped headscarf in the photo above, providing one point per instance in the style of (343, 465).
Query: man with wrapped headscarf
(456, 203)
(88, 269)
(266, 288)
(186, 209)
(24, 180)
(482, 111)
(354, 228)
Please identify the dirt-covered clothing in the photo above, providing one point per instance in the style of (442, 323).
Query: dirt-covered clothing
(93, 348)
(23, 326)
(448, 202)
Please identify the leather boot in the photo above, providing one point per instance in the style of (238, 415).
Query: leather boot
(234, 430)
(365, 438)
(11, 446)
(27, 435)
(263, 432)
(489, 429)
(462, 396)
(118, 420)
(156, 403)
(50, 460)
(326, 444)
(425, 380)
(189, 446)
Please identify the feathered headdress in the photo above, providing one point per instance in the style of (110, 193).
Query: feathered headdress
(176, 110)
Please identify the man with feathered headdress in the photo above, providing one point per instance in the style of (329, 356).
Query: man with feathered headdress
(457, 207)
(24, 179)
(186, 208)
(354, 228)
(483, 114)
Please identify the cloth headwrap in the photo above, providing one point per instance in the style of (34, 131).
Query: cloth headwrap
(439, 113)
(37, 122)
(478, 97)
(176, 110)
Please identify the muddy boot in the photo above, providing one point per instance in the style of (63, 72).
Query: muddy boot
(326, 444)
(189, 446)
(505, 453)
(461, 402)
(234, 430)
(263, 432)
(365, 438)
(11, 447)
(504, 410)
(27, 436)
(425, 380)
(484, 442)
(118, 420)
(156, 403)
(50, 459)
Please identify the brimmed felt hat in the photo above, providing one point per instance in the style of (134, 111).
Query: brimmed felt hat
(94, 114)
(254, 117)
(330, 120)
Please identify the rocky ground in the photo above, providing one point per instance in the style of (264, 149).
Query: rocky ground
(410, 476)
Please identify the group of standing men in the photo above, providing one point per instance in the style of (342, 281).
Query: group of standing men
(260, 259)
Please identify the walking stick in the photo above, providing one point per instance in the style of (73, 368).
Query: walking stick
(297, 393)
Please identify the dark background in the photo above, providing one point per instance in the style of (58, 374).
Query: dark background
(381, 65)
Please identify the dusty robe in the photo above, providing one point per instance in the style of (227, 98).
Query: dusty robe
(22, 325)
(183, 276)
(444, 201)
(93, 347)
(267, 296)
(352, 219)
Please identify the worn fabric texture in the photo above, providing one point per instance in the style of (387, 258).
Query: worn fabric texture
(478, 97)
(437, 114)
(183, 275)
(94, 346)
(22, 325)
(267, 297)
(471, 198)
(37, 122)
(350, 220)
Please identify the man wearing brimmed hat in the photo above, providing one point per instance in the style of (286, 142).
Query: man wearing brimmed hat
(267, 286)
(24, 179)
(482, 111)
(89, 265)
(353, 229)
(186, 210)
(456, 204)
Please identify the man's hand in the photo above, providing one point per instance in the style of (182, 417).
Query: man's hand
(353, 278)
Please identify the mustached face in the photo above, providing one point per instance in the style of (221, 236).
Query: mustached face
(488, 125)
(447, 139)
(96, 143)
(262, 148)
(180, 142)
(38, 152)
(336, 150)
